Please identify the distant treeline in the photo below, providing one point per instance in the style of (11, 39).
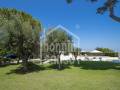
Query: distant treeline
(112, 54)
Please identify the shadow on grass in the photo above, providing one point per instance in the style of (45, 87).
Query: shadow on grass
(55, 66)
(87, 65)
(36, 68)
(95, 65)
(31, 68)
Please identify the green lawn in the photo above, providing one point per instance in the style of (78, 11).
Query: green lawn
(86, 76)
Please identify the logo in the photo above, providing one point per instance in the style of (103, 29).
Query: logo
(58, 40)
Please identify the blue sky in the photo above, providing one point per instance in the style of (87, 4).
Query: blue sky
(80, 18)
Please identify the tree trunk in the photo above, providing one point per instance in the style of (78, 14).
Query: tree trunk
(25, 64)
(59, 63)
(18, 61)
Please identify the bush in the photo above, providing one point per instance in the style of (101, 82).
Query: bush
(5, 56)
(4, 61)
(113, 54)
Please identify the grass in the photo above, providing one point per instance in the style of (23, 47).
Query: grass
(85, 76)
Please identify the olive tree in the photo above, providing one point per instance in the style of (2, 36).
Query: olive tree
(20, 32)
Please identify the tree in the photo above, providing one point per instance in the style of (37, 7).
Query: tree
(109, 6)
(58, 37)
(77, 50)
(21, 33)
(57, 41)
(108, 52)
(105, 50)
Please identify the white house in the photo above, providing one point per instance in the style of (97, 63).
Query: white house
(95, 51)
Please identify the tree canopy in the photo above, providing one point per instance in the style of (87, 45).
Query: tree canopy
(105, 50)
(108, 52)
(19, 31)
(59, 39)
(109, 5)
